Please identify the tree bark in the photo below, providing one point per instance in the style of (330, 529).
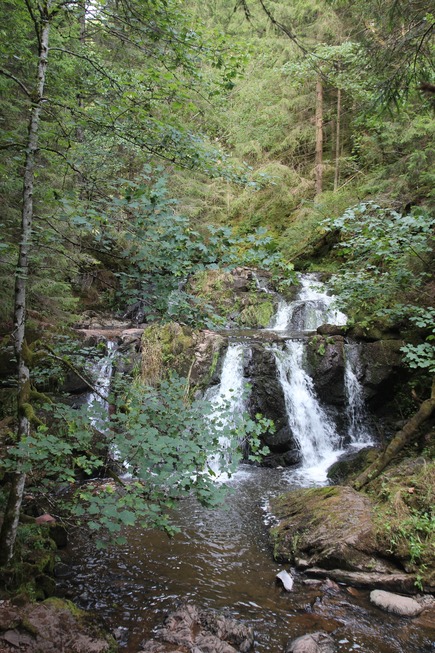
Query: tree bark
(337, 141)
(12, 512)
(402, 438)
(319, 136)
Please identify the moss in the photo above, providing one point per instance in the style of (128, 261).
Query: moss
(166, 347)
(257, 314)
(69, 606)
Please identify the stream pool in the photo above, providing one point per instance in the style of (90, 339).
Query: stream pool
(222, 559)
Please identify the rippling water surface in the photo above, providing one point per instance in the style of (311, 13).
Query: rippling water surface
(222, 559)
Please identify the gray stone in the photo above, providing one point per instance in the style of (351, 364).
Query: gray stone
(404, 606)
(319, 642)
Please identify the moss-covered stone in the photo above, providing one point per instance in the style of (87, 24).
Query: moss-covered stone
(257, 314)
(233, 297)
(330, 527)
(166, 347)
(348, 467)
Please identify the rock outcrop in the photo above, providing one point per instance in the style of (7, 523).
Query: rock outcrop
(331, 532)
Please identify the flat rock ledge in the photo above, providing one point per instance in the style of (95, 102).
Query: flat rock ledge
(404, 606)
(192, 630)
(393, 581)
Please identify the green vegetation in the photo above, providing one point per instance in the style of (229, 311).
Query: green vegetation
(150, 147)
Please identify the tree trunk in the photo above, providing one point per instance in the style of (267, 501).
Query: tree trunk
(402, 438)
(319, 136)
(337, 141)
(11, 517)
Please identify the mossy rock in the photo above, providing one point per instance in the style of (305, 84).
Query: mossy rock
(257, 314)
(351, 465)
(233, 297)
(330, 527)
(166, 347)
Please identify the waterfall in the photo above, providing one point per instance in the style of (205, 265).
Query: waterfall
(359, 431)
(313, 430)
(102, 372)
(312, 307)
(228, 403)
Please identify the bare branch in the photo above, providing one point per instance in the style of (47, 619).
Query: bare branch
(17, 81)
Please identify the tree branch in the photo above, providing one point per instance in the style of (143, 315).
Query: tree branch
(17, 81)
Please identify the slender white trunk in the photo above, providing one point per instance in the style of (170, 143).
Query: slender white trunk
(12, 512)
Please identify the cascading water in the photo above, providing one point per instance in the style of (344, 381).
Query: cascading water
(312, 308)
(97, 401)
(314, 432)
(228, 402)
(358, 430)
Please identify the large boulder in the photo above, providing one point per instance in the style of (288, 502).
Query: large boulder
(405, 606)
(331, 528)
(50, 626)
(381, 369)
(319, 642)
(326, 365)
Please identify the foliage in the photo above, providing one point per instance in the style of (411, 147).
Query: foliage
(156, 447)
(386, 260)
(406, 522)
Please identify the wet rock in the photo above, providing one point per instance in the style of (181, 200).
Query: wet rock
(388, 581)
(351, 464)
(267, 398)
(330, 527)
(50, 626)
(404, 606)
(382, 369)
(190, 628)
(332, 330)
(326, 364)
(319, 642)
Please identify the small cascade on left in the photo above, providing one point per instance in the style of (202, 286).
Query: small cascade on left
(97, 402)
(228, 403)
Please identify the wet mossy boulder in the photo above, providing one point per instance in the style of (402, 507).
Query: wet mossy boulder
(330, 527)
(195, 355)
(51, 626)
(326, 364)
(351, 464)
(233, 296)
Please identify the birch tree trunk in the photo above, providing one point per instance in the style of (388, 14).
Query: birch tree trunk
(319, 136)
(12, 512)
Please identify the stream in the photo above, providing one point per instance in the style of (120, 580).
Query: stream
(222, 559)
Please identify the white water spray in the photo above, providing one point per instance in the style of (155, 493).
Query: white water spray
(359, 431)
(102, 371)
(312, 429)
(228, 401)
(312, 307)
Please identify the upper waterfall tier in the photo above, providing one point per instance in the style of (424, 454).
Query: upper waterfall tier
(311, 308)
